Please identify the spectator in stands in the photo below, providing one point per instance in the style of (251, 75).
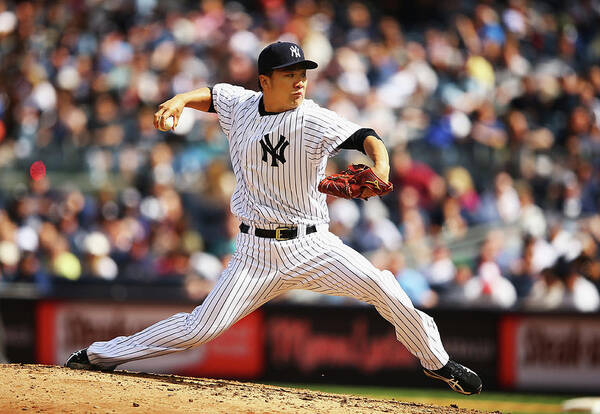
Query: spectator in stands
(465, 291)
(487, 129)
(408, 173)
(531, 217)
(344, 215)
(580, 293)
(547, 293)
(203, 273)
(460, 185)
(413, 282)
(589, 182)
(454, 225)
(494, 288)
(502, 204)
(414, 232)
(441, 272)
(9, 260)
(523, 272)
(562, 287)
(563, 241)
(376, 230)
(587, 264)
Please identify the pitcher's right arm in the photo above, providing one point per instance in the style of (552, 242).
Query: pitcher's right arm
(200, 99)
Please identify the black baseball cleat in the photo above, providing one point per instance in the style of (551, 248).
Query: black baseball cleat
(458, 377)
(80, 360)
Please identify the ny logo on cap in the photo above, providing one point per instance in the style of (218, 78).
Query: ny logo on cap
(295, 51)
(275, 152)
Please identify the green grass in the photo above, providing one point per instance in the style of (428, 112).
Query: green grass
(487, 401)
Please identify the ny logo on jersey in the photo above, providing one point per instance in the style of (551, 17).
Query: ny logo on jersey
(295, 51)
(276, 152)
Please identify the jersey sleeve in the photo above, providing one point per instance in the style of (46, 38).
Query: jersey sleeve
(325, 131)
(226, 99)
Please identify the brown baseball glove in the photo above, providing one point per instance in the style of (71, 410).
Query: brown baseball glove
(353, 181)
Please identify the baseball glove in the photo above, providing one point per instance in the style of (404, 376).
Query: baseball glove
(352, 182)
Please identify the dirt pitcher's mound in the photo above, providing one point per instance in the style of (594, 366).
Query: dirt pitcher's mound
(42, 388)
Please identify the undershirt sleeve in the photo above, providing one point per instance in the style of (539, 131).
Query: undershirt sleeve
(212, 104)
(356, 141)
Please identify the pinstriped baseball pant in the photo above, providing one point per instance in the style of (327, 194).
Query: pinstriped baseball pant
(262, 269)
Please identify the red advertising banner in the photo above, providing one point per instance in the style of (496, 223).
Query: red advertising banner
(507, 346)
(298, 342)
(63, 327)
(551, 353)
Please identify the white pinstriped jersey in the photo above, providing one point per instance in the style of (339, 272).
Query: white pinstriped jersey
(278, 159)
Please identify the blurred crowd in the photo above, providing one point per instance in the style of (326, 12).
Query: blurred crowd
(491, 113)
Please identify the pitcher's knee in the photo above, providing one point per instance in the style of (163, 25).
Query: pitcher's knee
(387, 275)
(387, 281)
(391, 289)
(197, 335)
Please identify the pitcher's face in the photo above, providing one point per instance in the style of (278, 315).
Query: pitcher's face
(286, 87)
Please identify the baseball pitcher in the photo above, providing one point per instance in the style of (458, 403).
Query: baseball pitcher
(279, 145)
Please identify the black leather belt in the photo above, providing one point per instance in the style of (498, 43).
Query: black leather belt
(280, 233)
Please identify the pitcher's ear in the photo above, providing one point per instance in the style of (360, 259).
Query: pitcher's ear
(264, 81)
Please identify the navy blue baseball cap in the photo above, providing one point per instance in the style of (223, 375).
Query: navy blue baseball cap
(280, 55)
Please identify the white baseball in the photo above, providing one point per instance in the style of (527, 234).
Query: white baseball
(168, 123)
